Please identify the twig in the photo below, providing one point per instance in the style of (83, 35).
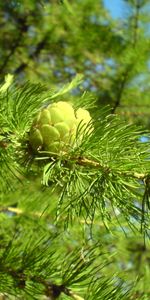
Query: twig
(136, 22)
(87, 162)
(33, 55)
(131, 65)
(18, 211)
(73, 295)
(138, 176)
(15, 45)
(122, 86)
(83, 161)
(2, 296)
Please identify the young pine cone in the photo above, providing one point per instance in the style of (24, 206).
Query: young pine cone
(58, 127)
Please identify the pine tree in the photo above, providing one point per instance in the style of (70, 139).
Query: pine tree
(74, 218)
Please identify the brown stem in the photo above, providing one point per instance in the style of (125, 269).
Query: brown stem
(87, 162)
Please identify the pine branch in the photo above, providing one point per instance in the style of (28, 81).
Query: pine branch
(86, 162)
(51, 290)
(40, 271)
(91, 163)
(110, 184)
(114, 177)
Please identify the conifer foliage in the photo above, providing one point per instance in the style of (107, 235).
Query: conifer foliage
(75, 179)
(95, 181)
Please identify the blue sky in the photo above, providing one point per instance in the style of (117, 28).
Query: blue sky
(116, 7)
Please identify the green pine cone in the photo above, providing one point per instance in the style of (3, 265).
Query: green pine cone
(56, 115)
(63, 129)
(54, 129)
(45, 117)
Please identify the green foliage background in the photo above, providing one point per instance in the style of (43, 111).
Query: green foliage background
(75, 226)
